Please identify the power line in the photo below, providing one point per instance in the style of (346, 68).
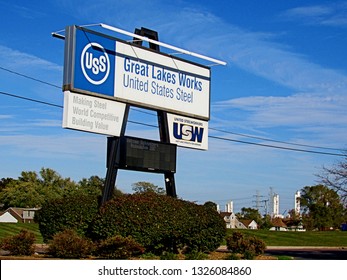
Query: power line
(276, 141)
(213, 137)
(257, 137)
(276, 147)
(28, 77)
(149, 113)
(30, 99)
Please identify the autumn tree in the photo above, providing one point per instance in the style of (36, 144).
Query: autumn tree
(336, 178)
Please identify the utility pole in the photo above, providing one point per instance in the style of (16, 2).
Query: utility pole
(257, 200)
(265, 201)
(271, 201)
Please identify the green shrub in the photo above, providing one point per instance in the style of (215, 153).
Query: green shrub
(232, 256)
(196, 255)
(21, 244)
(168, 256)
(249, 255)
(75, 211)
(204, 230)
(69, 245)
(160, 223)
(249, 247)
(118, 247)
(149, 256)
(258, 245)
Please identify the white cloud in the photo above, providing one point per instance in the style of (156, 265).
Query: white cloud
(17, 60)
(332, 14)
(297, 112)
(3, 117)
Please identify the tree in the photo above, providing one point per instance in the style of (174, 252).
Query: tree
(322, 207)
(266, 222)
(143, 187)
(210, 205)
(250, 214)
(336, 178)
(95, 185)
(32, 189)
(21, 194)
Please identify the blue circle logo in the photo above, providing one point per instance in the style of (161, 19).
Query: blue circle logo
(95, 63)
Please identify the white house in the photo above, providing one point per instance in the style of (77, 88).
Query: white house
(248, 224)
(6, 217)
(278, 225)
(231, 220)
(16, 214)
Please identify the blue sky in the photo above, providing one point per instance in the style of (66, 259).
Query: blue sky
(285, 80)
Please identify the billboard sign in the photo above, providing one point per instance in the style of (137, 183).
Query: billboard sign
(188, 132)
(103, 65)
(92, 114)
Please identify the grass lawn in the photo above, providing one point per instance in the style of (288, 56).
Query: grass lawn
(306, 238)
(9, 229)
(271, 238)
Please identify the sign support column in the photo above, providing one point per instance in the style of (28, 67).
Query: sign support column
(113, 154)
(162, 115)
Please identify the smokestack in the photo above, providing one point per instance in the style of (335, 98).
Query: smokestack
(297, 203)
(229, 207)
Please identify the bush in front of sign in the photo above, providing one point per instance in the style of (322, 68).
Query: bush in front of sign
(68, 244)
(160, 223)
(75, 211)
(118, 247)
(205, 230)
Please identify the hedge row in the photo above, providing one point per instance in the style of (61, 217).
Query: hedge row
(159, 223)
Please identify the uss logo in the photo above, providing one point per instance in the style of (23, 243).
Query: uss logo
(95, 63)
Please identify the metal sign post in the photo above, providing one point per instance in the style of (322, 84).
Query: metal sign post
(113, 150)
(162, 116)
(113, 153)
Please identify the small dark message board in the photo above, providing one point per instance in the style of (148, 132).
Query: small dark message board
(145, 155)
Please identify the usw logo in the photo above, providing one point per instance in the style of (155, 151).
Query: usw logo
(188, 132)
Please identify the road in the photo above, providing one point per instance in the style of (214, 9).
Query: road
(309, 253)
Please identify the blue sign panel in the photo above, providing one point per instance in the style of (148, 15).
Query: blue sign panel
(94, 63)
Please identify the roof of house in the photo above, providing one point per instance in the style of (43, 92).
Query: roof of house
(7, 217)
(246, 222)
(278, 222)
(225, 214)
(17, 212)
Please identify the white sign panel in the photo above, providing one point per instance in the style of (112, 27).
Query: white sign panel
(161, 82)
(188, 132)
(92, 114)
